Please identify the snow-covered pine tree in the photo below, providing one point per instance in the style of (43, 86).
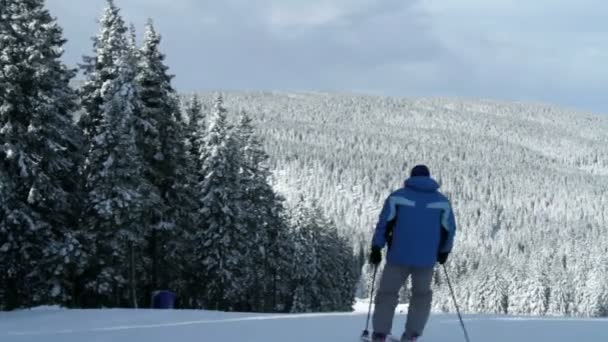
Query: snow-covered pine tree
(491, 294)
(160, 136)
(196, 127)
(183, 241)
(264, 218)
(593, 298)
(108, 46)
(324, 263)
(348, 273)
(280, 254)
(337, 274)
(118, 194)
(562, 288)
(562, 295)
(39, 153)
(530, 296)
(304, 261)
(132, 40)
(221, 242)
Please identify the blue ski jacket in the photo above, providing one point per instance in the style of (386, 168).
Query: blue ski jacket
(421, 222)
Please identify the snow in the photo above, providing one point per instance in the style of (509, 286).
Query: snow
(362, 305)
(10, 153)
(56, 291)
(51, 324)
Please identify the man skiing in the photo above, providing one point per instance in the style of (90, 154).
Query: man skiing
(418, 225)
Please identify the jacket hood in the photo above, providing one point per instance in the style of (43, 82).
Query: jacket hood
(425, 184)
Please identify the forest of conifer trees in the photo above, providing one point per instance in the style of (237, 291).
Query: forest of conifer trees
(262, 201)
(143, 192)
(528, 184)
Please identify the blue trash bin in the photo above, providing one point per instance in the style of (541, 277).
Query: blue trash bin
(163, 300)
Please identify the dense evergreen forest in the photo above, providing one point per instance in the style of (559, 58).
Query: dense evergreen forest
(266, 201)
(141, 193)
(529, 184)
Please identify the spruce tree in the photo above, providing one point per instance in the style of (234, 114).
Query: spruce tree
(221, 243)
(185, 264)
(108, 46)
(562, 296)
(118, 195)
(196, 127)
(304, 261)
(39, 153)
(264, 217)
(593, 301)
(160, 137)
(336, 268)
(325, 269)
(282, 248)
(529, 297)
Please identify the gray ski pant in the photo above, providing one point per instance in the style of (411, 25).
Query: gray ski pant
(393, 278)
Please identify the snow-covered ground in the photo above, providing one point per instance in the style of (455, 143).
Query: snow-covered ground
(58, 325)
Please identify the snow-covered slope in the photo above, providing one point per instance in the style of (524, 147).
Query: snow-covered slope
(55, 325)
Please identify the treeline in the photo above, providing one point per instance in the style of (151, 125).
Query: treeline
(143, 192)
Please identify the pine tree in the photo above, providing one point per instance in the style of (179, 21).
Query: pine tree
(196, 127)
(530, 297)
(324, 263)
(132, 40)
(39, 153)
(186, 265)
(490, 294)
(160, 132)
(264, 217)
(280, 253)
(109, 46)
(594, 294)
(118, 194)
(222, 242)
(562, 296)
(304, 261)
(336, 267)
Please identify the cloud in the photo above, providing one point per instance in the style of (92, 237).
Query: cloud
(303, 16)
(546, 50)
(536, 50)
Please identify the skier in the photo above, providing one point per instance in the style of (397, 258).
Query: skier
(418, 225)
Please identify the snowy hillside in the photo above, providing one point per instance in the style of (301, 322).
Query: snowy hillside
(139, 195)
(52, 325)
(529, 184)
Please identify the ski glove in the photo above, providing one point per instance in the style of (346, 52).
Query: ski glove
(375, 256)
(442, 258)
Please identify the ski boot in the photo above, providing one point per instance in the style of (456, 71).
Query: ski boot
(407, 338)
(379, 337)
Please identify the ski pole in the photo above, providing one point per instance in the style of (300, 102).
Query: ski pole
(447, 277)
(369, 310)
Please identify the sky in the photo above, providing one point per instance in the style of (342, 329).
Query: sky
(550, 51)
